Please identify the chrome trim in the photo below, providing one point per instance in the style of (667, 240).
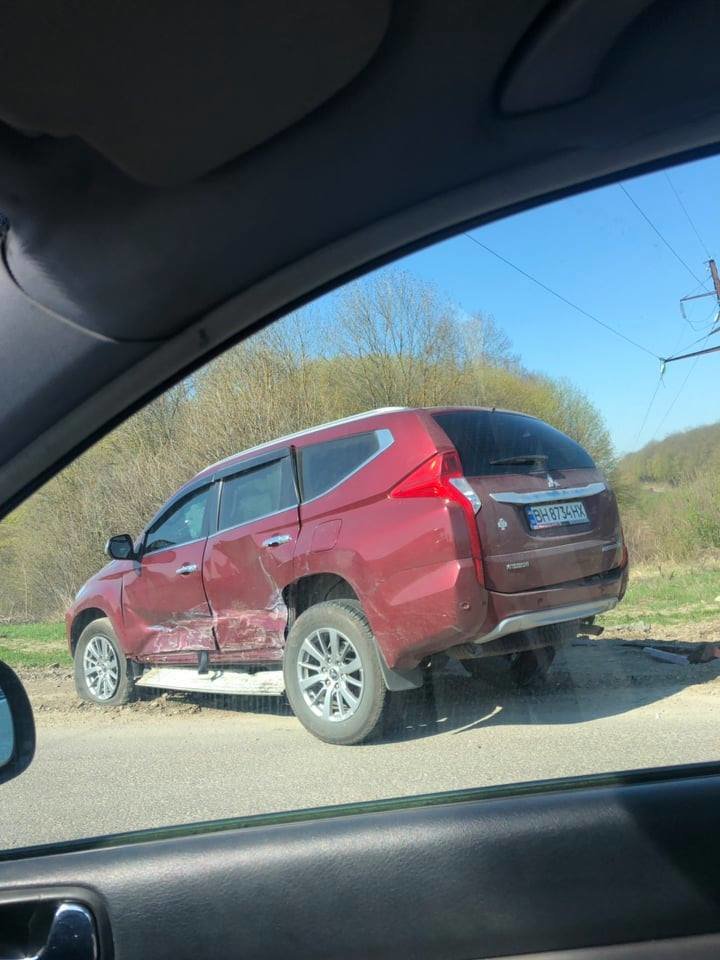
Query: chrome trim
(545, 618)
(308, 431)
(277, 540)
(72, 934)
(385, 440)
(550, 496)
(175, 546)
(187, 568)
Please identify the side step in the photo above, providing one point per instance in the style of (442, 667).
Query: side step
(268, 683)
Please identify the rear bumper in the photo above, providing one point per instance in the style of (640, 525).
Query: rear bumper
(515, 612)
(427, 610)
(544, 618)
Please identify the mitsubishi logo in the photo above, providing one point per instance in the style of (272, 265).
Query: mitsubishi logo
(552, 483)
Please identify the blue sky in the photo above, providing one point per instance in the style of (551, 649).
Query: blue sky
(597, 251)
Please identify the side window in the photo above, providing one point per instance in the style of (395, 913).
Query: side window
(256, 493)
(323, 465)
(184, 521)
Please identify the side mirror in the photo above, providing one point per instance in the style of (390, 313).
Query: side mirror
(17, 726)
(120, 547)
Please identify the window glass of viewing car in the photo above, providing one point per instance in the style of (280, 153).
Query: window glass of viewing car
(186, 520)
(257, 492)
(495, 442)
(323, 465)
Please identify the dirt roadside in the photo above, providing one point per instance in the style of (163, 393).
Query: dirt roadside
(611, 662)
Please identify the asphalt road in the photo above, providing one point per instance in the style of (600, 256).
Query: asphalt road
(144, 770)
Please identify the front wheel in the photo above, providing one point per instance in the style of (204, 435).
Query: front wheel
(332, 675)
(101, 668)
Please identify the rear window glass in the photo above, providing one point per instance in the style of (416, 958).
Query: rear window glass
(257, 493)
(494, 442)
(323, 465)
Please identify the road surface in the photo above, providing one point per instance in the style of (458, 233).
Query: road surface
(167, 762)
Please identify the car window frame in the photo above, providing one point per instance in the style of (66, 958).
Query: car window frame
(182, 494)
(247, 466)
(385, 440)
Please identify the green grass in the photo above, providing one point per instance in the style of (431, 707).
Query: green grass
(669, 596)
(33, 644)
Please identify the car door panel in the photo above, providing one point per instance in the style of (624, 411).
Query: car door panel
(244, 577)
(165, 609)
(164, 604)
(247, 563)
(479, 874)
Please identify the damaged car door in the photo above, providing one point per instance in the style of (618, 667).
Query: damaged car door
(249, 559)
(165, 609)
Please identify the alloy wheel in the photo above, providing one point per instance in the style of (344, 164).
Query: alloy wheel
(330, 675)
(101, 668)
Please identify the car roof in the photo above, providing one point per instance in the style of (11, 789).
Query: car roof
(358, 418)
(144, 232)
(297, 435)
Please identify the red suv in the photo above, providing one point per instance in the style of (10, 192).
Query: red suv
(346, 556)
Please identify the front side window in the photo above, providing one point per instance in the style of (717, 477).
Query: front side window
(183, 522)
(324, 465)
(257, 493)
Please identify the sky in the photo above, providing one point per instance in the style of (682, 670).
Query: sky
(597, 251)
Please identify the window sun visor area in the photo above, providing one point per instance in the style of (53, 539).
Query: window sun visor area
(175, 115)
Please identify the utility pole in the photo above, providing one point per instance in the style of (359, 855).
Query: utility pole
(715, 278)
(715, 292)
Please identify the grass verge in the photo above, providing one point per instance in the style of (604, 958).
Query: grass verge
(669, 596)
(34, 644)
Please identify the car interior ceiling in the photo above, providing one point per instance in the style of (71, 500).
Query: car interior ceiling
(129, 260)
(175, 176)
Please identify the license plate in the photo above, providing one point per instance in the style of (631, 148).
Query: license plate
(556, 515)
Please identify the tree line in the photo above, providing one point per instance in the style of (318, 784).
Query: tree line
(387, 340)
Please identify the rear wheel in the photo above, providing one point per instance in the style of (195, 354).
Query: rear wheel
(332, 674)
(523, 668)
(101, 668)
(526, 666)
(530, 666)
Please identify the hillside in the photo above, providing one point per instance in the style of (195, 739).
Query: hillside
(675, 460)
(669, 495)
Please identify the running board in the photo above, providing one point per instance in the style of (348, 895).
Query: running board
(268, 683)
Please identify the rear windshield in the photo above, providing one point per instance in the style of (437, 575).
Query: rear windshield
(493, 442)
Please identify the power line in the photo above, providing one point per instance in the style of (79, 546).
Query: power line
(560, 297)
(666, 242)
(674, 400)
(649, 408)
(689, 218)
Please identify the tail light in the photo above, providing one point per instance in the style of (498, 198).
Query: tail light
(441, 476)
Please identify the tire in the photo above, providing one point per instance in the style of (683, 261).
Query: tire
(311, 650)
(98, 641)
(530, 666)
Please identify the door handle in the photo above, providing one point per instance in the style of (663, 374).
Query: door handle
(277, 540)
(72, 935)
(187, 568)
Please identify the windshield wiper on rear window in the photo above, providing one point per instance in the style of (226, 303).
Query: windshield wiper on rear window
(523, 458)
